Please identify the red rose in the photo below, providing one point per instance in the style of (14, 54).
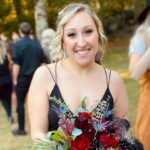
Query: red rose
(80, 123)
(113, 142)
(81, 143)
(107, 140)
(85, 115)
(82, 120)
(89, 130)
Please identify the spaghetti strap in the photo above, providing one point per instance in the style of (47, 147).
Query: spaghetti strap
(107, 76)
(56, 72)
(54, 79)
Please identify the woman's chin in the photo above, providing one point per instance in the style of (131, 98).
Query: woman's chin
(84, 62)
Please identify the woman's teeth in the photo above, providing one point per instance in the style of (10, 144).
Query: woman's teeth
(83, 51)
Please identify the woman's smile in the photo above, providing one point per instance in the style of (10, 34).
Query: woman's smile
(83, 52)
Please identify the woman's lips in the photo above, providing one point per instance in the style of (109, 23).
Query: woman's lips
(82, 52)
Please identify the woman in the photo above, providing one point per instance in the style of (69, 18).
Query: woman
(79, 43)
(5, 81)
(139, 65)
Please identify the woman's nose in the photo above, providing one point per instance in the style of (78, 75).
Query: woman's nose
(81, 41)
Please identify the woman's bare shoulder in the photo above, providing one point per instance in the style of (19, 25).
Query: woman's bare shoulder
(116, 85)
(115, 77)
(43, 79)
(44, 72)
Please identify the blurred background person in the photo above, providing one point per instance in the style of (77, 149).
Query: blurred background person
(3, 37)
(5, 81)
(47, 36)
(139, 68)
(32, 35)
(27, 56)
(15, 37)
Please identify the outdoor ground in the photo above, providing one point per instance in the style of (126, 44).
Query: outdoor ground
(115, 58)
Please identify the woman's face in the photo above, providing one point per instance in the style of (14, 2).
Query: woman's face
(80, 38)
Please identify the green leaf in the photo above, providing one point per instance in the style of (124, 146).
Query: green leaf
(59, 132)
(49, 134)
(66, 146)
(83, 102)
(44, 145)
(56, 138)
(60, 136)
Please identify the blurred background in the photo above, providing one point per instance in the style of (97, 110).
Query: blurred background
(116, 15)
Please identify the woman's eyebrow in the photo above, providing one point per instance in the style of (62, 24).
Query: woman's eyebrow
(75, 28)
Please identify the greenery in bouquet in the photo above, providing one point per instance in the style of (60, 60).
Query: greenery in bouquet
(83, 131)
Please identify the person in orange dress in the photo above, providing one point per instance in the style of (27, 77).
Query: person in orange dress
(139, 68)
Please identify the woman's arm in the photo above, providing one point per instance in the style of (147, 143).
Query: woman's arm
(138, 64)
(118, 89)
(16, 70)
(38, 104)
(9, 60)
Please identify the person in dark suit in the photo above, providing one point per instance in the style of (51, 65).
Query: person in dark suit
(27, 56)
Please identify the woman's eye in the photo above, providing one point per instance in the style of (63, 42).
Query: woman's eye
(89, 31)
(71, 35)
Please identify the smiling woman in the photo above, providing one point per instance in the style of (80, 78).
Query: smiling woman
(77, 49)
(63, 17)
(81, 38)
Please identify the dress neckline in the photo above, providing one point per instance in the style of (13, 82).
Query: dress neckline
(70, 111)
(107, 88)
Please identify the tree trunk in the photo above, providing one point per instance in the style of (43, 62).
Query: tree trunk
(41, 22)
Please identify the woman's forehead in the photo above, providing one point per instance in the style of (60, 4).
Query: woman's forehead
(80, 19)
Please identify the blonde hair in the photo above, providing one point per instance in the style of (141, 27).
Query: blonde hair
(2, 53)
(64, 16)
(47, 36)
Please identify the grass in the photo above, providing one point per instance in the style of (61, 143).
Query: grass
(7, 140)
(116, 60)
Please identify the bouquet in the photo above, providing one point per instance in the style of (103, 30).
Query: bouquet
(85, 131)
